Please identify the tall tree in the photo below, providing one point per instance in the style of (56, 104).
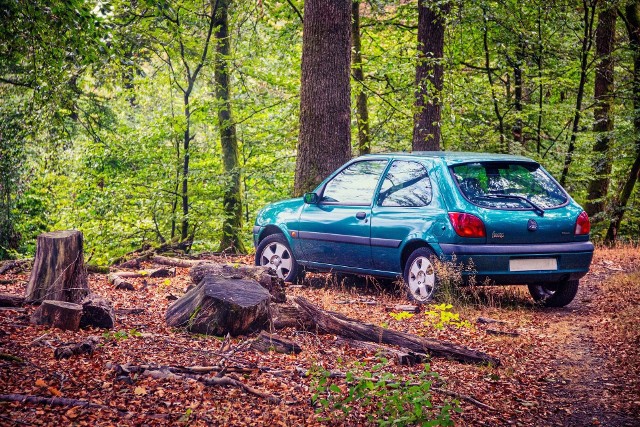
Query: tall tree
(588, 16)
(603, 115)
(631, 18)
(362, 112)
(232, 192)
(429, 75)
(324, 142)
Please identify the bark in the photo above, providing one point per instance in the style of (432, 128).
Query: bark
(266, 342)
(175, 262)
(603, 125)
(402, 356)
(589, 12)
(324, 142)
(362, 111)
(348, 328)
(58, 268)
(219, 306)
(97, 312)
(517, 129)
(119, 282)
(59, 314)
(632, 22)
(540, 85)
(65, 351)
(429, 76)
(289, 316)
(232, 198)
(9, 300)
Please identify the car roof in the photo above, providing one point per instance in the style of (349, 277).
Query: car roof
(454, 157)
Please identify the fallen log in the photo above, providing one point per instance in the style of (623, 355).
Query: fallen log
(52, 401)
(289, 315)
(59, 314)
(175, 262)
(7, 266)
(11, 300)
(353, 329)
(87, 346)
(402, 357)
(119, 282)
(266, 342)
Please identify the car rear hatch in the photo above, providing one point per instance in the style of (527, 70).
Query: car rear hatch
(518, 202)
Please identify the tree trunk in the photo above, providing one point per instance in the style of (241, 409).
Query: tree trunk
(362, 112)
(603, 124)
(232, 199)
(58, 268)
(587, 40)
(59, 314)
(632, 21)
(429, 76)
(324, 142)
(517, 129)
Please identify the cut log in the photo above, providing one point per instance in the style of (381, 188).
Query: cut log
(289, 315)
(353, 329)
(218, 306)
(97, 312)
(10, 300)
(59, 314)
(58, 268)
(402, 357)
(266, 342)
(265, 276)
(119, 282)
(87, 346)
(175, 262)
(21, 264)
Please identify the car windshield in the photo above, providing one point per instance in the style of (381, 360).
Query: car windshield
(501, 185)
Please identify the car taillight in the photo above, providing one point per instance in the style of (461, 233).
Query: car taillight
(467, 225)
(583, 225)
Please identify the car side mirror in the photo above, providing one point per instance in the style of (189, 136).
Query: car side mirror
(311, 198)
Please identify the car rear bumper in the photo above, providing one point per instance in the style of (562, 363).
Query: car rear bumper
(493, 261)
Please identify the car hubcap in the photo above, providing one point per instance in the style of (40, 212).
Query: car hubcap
(277, 256)
(422, 278)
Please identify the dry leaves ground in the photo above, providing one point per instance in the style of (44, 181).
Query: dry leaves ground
(573, 366)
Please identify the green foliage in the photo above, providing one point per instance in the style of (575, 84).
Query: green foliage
(121, 335)
(386, 399)
(441, 316)
(401, 315)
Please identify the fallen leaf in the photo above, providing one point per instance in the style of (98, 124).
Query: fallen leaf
(140, 391)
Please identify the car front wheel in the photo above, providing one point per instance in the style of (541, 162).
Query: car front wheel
(554, 294)
(420, 275)
(274, 252)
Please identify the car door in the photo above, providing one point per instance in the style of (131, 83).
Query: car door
(405, 209)
(336, 231)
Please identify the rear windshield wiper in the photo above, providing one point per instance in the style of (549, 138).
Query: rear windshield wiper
(537, 209)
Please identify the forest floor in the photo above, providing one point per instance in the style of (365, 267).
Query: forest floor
(574, 366)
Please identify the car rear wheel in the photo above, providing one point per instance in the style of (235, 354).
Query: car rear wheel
(554, 294)
(274, 252)
(420, 275)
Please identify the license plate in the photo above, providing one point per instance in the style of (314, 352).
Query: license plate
(531, 264)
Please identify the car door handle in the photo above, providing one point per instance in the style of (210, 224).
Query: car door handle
(361, 215)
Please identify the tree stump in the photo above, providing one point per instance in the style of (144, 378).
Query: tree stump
(58, 268)
(265, 276)
(59, 314)
(218, 306)
(97, 312)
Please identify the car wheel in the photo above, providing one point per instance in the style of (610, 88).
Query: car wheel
(420, 275)
(274, 251)
(554, 294)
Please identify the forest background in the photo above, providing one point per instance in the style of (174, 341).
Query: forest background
(153, 121)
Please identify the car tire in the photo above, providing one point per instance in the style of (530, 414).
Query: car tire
(420, 275)
(554, 295)
(274, 251)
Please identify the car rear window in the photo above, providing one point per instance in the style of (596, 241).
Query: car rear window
(502, 185)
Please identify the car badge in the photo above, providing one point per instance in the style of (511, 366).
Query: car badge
(532, 225)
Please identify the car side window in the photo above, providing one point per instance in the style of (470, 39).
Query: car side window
(355, 184)
(406, 184)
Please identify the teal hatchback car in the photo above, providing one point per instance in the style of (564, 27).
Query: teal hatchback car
(393, 215)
